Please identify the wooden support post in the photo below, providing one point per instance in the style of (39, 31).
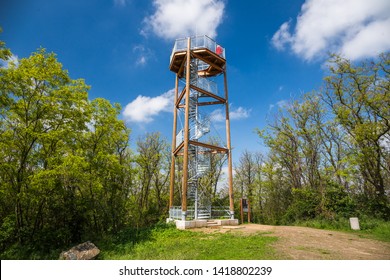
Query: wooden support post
(186, 132)
(228, 140)
(242, 211)
(245, 208)
(173, 156)
(249, 212)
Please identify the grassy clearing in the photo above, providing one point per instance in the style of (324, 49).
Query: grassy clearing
(370, 228)
(379, 231)
(168, 243)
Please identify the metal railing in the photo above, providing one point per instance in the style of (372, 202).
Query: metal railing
(216, 213)
(198, 42)
(175, 212)
(207, 85)
(220, 212)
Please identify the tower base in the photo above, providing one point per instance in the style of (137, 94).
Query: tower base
(180, 224)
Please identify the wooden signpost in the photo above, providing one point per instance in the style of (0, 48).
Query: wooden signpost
(245, 208)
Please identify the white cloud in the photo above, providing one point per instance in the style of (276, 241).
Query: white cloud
(239, 113)
(12, 61)
(282, 104)
(218, 115)
(141, 60)
(354, 28)
(143, 54)
(177, 18)
(376, 36)
(120, 3)
(143, 109)
(282, 36)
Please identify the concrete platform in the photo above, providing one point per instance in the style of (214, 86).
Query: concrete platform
(203, 223)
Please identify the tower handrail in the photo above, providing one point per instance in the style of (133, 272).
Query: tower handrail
(198, 42)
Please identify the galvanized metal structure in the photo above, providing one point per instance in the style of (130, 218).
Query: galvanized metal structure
(197, 61)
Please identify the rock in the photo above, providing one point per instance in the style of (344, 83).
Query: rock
(83, 251)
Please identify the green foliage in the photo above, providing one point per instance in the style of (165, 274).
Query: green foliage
(375, 228)
(304, 206)
(7, 232)
(65, 168)
(328, 151)
(152, 178)
(369, 227)
(336, 223)
(5, 53)
(338, 202)
(66, 171)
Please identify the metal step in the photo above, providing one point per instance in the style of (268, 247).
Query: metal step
(204, 214)
(212, 224)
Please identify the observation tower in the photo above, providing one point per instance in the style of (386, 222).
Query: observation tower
(200, 66)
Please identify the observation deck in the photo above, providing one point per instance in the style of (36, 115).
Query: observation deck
(211, 56)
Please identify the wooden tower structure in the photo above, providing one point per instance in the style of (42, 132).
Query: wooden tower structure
(197, 61)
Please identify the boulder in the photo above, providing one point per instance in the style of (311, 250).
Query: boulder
(83, 251)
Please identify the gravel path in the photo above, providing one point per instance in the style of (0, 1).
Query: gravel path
(302, 243)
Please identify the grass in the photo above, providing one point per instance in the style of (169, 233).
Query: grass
(164, 242)
(311, 249)
(169, 243)
(370, 228)
(380, 231)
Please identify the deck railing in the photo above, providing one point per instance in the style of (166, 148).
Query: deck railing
(198, 42)
(207, 85)
(216, 212)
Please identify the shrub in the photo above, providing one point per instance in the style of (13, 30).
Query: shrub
(304, 205)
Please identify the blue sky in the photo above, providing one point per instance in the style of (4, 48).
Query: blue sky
(276, 50)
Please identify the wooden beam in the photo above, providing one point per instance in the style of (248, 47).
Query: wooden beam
(204, 103)
(211, 103)
(177, 150)
(208, 146)
(208, 93)
(180, 97)
(220, 69)
(204, 51)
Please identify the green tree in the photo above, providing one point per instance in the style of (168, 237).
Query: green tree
(42, 111)
(152, 169)
(65, 164)
(283, 140)
(359, 97)
(208, 183)
(248, 181)
(333, 143)
(108, 172)
(5, 53)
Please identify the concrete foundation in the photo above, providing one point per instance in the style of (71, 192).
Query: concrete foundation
(202, 223)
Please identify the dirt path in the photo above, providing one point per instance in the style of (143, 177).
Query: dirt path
(301, 243)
